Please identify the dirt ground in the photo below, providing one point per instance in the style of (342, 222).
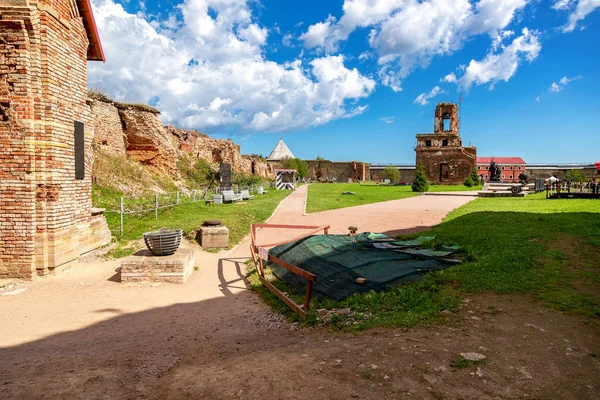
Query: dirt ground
(84, 335)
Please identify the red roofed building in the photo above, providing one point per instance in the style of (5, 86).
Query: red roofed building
(46, 131)
(510, 167)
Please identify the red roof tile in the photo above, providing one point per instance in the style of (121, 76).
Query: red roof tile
(501, 160)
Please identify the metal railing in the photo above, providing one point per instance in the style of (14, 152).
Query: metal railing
(129, 205)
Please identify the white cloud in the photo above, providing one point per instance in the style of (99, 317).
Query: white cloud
(502, 65)
(365, 55)
(209, 71)
(424, 98)
(409, 33)
(562, 4)
(287, 40)
(564, 81)
(579, 9)
(450, 78)
(555, 88)
(387, 120)
(538, 99)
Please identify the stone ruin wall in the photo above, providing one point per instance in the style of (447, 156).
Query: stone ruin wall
(140, 135)
(340, 171)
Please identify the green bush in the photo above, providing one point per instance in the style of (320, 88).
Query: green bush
(420, 183)
(469, 182)
(243, 179)
(299, 165)
(195, 171)
(392, 174)
(474, 176)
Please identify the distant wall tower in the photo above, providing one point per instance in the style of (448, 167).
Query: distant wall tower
(441, 153)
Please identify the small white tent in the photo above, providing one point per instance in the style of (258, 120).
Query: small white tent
(280, 152)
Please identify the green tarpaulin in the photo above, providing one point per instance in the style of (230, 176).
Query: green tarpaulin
(338, 260)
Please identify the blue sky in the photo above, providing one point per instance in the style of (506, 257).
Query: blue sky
(358, 79)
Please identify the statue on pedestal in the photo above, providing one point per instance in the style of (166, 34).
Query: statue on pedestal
(494, 171)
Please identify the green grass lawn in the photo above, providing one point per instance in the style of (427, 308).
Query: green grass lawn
(548, 249)
(237, 217)
(328, 196)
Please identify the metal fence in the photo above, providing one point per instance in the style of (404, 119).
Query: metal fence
(154, 202)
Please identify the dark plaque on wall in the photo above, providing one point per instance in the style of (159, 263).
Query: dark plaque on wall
(225, 175)
(79, 151)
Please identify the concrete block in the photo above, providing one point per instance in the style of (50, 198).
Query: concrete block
(213, 237)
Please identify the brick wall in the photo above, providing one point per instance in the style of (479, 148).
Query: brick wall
(340, 171)
(43, 90)
(108, 129)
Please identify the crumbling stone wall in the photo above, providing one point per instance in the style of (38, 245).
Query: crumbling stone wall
(138, 133)
(441, 153)
(148, 142)
(46, 218)
(109, 136)
(340, 171)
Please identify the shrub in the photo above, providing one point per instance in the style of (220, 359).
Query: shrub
(392, 174)
(243, 179)
(420, 183)
(474, 176)
(195, 171)
(469, 182)
(299, 165)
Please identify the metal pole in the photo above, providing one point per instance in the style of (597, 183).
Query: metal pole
(155, 206)
(122, 209)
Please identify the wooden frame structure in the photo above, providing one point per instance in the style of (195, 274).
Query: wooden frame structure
(260, 253)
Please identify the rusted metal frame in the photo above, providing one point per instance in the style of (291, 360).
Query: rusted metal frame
(302, 310)
(299, 309)
(292, 268)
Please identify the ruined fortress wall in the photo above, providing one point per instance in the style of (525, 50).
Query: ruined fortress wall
(44, 87)
(406, 175)
(108, 129)
(140, 135)
(340, 171)
(559, 173)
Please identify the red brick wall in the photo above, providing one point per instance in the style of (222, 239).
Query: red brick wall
(44, 86)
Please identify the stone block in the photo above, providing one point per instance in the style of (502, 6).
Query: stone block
(144, 267)
(213, 237)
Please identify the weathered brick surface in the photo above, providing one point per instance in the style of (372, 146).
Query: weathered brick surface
(339, 171)
(45, 218)
(441, 153)
(143, 266)
(108, 129)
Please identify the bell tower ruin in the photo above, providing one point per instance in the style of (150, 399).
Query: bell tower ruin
(441, 153)
(46, 215)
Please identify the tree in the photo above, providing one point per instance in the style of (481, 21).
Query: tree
(392, 174)
(474, 176)
(469, 182)
(299, 165)
(319, 158)
(575, 175)
(420, 183)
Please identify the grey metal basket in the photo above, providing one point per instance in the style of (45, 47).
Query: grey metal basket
(163, 242)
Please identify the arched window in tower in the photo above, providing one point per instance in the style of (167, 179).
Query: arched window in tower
(446, 121)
